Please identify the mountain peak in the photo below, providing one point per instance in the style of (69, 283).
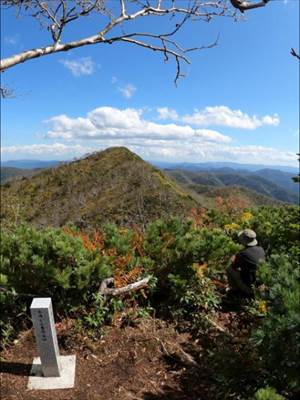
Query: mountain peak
(114, 185)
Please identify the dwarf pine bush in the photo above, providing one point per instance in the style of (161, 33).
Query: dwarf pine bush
(278, 337)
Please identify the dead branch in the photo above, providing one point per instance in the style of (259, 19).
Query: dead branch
(295, 54)
(217, 326)
(176, 350)
(186, 358)
(245, 5)
(107, 291)
(6, 93)
(57, 14)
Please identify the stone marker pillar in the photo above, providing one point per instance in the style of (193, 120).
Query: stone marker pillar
(45, 335)
(50, 370)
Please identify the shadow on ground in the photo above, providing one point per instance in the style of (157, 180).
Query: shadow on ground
(226, 369)
(15, 368)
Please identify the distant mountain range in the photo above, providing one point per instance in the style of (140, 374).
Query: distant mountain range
(30, 164)
(116, 185)
(10, 173)
(205, 166)
(272, 183)
(212, 165)
(206, 195)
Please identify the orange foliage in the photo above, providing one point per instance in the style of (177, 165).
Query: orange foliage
(199, 217)
(232, 204)
(138, 241)
(121, 262)
(219, 202)
(95, 242)
(92, 242)
(122, 279)
(219, 283)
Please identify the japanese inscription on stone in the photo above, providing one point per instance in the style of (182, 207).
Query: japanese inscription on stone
(45, 334)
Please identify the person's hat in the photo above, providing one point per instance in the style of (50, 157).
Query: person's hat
(248, 237)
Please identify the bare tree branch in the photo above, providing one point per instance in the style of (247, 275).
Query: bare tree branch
(57, 14)
(245, 5)
(132, 287)
(123, 8)
(6, 93)
(294, 53)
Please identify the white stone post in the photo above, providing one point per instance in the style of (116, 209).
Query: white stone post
(49, 370)
(45, 335)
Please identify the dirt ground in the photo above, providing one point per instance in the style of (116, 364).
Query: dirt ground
(149, 361)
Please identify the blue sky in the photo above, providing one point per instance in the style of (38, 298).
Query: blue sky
(238, 102)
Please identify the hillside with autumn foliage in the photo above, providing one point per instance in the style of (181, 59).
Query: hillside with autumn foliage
(186, 260)
(113, 218)
(265, 186)
(114, 185)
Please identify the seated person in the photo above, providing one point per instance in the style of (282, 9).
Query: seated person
(242, 272)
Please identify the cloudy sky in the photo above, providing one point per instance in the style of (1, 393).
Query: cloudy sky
(238, 102)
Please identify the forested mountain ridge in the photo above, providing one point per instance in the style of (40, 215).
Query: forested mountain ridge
(207, 195)
(264, 182)
(114, 185)
(10, 173)
(269, 182)
(223, 165)
(30, 164)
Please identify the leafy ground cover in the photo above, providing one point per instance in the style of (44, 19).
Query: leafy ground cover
(203, 347)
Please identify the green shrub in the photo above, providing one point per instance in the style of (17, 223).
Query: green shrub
(268, 393)
(49, 263)
(175, 247)
(45, 263)
(278, 336)
(184, 259)
(277, 229)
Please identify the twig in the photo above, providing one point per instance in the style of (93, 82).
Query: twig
(293, 53)
(179, 352)
(217, 326)
(58, 16)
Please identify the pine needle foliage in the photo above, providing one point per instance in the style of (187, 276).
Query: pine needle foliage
(187, 259)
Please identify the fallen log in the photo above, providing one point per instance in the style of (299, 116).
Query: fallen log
(105, 290)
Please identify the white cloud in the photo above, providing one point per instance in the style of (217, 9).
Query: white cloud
(67, 128)
(259, 154)
(155, 149)
(127, 90)
(175, 141)
(220, 116)
(167, 113)
(55, 149)
(80, 66)
(215, 152)
(108, 126)
(112, 123)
